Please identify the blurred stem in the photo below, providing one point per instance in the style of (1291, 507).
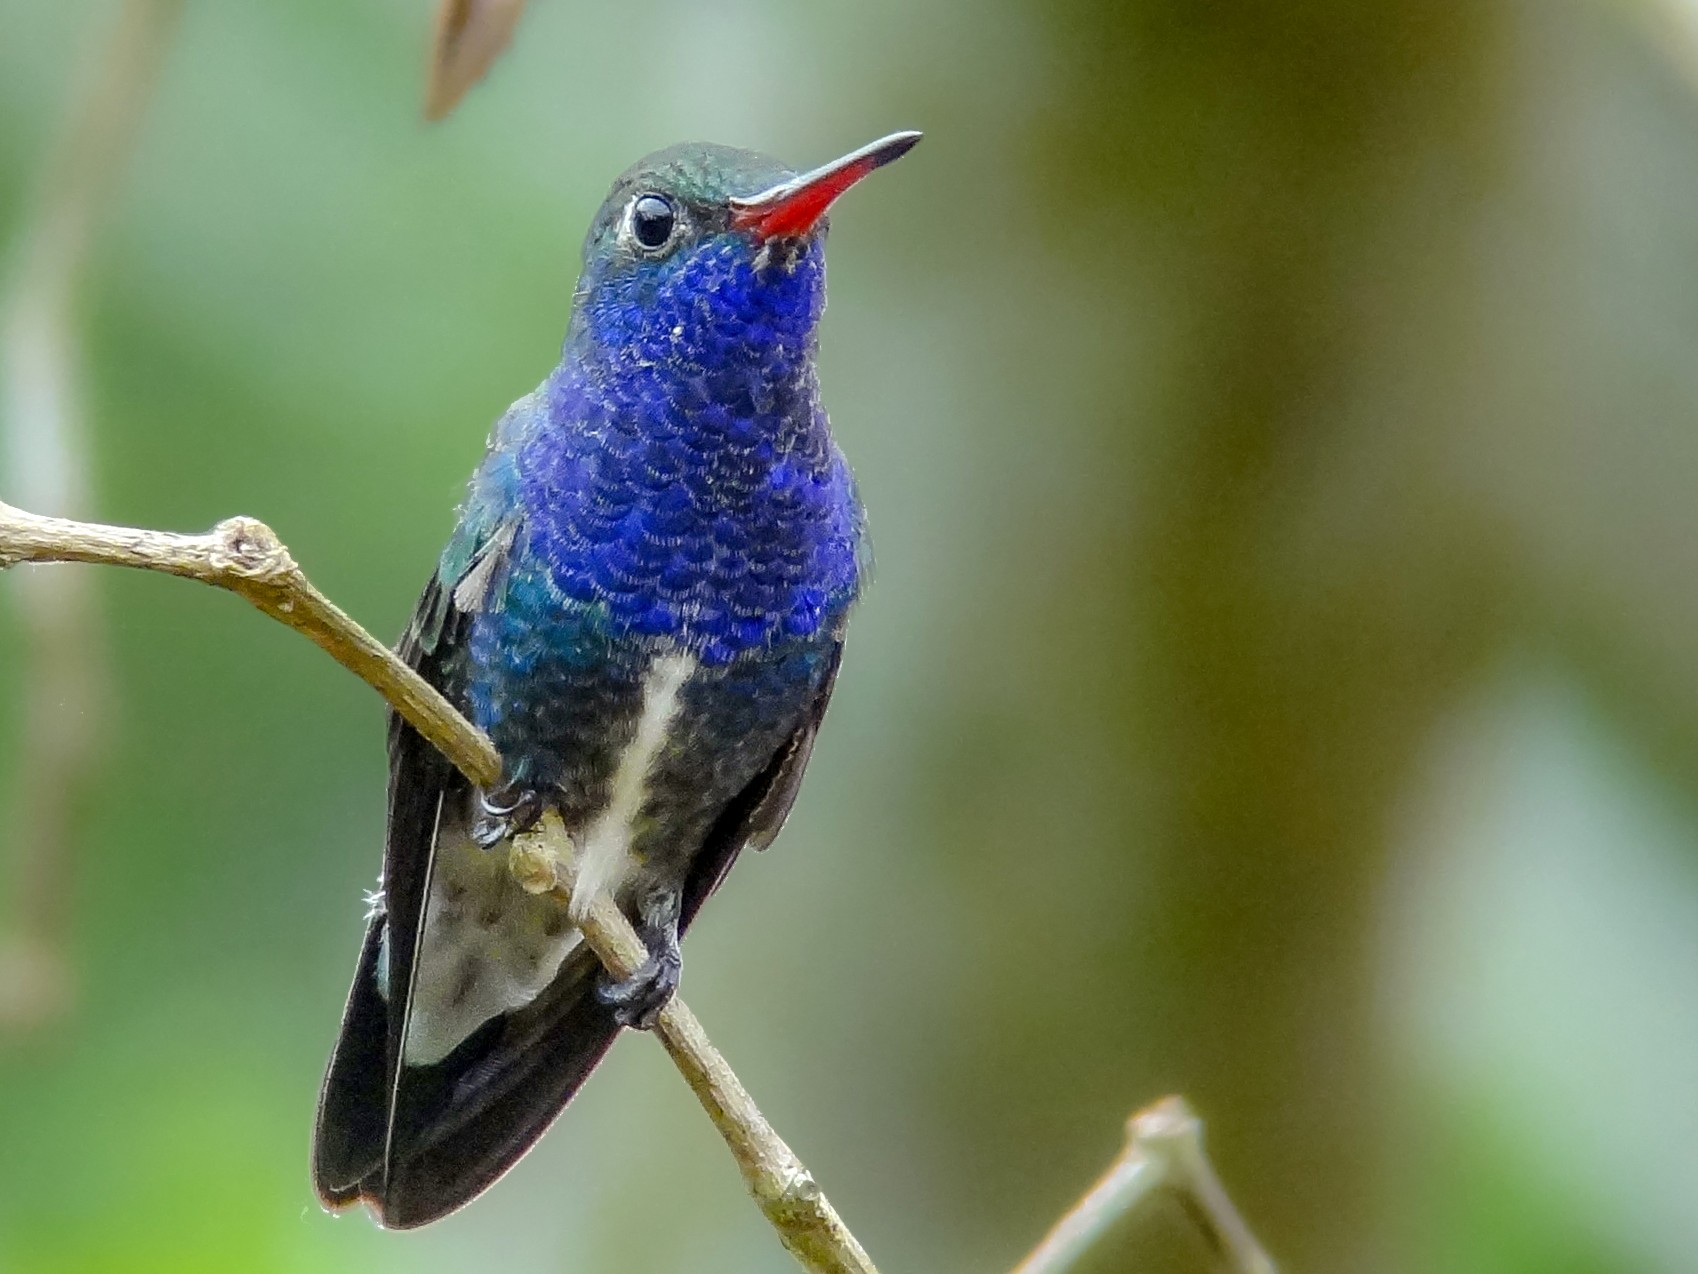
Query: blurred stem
(1164, 1150)
(67, 708)
(1303, 189)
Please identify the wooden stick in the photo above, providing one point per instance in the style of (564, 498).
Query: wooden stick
(1164, 1150)
(246, 557)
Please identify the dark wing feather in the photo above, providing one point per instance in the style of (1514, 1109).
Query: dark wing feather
(756, 814)
(353, 1112)
(463, 1122)
(353, 1103)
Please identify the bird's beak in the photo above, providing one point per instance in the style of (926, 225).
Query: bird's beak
(794, 207)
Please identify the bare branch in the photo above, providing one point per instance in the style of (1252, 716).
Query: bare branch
(469, 36)
(1164, 1150)
(781, 1186)
(244, 556)
(67, 697)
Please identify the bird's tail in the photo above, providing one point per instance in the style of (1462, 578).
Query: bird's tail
(444, 1132)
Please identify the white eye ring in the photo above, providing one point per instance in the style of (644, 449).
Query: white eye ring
(652, 223)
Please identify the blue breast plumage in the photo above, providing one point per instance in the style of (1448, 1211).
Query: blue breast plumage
(682, 494)
(643, 605)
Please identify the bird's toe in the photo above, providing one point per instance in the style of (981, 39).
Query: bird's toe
(636, 1001)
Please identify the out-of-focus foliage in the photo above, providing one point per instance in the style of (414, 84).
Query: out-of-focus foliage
(1281, 682)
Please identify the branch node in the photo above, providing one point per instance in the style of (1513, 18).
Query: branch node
(250, 549)
(533, 863)
(1169, 1129)
(800, 1195)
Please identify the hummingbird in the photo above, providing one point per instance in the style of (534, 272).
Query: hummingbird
(643, 604)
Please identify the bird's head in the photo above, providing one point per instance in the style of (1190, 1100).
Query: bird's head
(704, 253)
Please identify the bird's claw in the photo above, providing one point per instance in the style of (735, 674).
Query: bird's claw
(504, 814)
(636, 1001)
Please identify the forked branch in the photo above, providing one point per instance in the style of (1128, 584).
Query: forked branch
(1163, 1151)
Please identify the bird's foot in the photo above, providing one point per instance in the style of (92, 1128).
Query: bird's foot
(636, 1001)
(505, 813)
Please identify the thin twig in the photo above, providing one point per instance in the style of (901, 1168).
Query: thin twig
(247, 558)
(1164, 1150)
(67, 696)
(782, 1187)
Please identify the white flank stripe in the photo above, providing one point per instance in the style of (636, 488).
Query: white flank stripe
(606, 854)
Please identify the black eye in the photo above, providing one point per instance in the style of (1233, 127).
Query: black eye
(652, 219)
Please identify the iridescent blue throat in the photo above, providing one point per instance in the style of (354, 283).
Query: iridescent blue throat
(683, 476)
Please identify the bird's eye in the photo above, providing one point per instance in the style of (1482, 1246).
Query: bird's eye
(652, 219)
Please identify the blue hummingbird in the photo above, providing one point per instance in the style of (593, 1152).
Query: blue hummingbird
(643, 604)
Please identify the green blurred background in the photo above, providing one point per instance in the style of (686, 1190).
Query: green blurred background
(1280, 682)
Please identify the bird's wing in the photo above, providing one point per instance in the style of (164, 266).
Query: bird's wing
(356, 1102)
(755, 815)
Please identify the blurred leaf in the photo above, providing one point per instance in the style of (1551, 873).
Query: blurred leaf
(470, 35)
